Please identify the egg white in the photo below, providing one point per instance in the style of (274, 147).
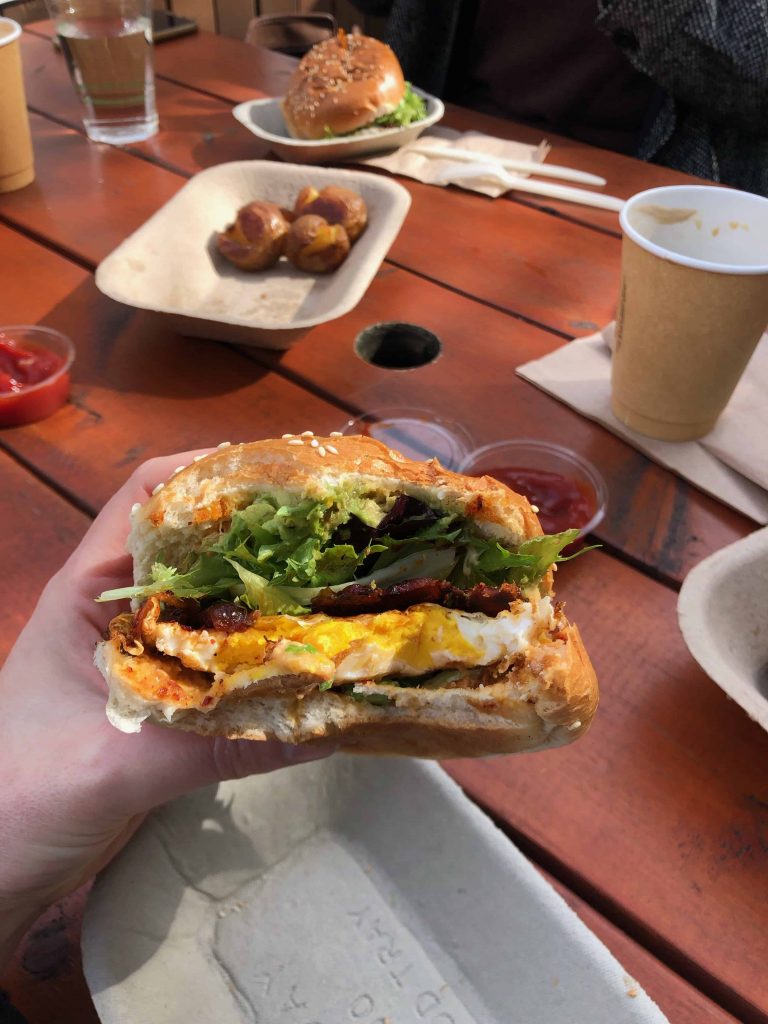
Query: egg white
(421, 639)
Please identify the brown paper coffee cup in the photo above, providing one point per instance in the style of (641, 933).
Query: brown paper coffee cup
(16, 157)
(693, 305)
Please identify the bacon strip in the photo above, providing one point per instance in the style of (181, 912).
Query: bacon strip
(406, 517)
(225, 616)
(360, 598)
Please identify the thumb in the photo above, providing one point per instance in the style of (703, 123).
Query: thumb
(236, 759)
(162, 764)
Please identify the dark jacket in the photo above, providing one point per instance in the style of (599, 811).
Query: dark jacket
(710, 58)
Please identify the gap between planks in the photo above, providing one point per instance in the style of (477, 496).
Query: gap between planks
(664, 952)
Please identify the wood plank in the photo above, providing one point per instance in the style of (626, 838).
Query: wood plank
(661, 811)
(196, 130)
(25, 265)
(547, 269)
(544, 268)
(222, 66)
(230, 74)
(682, 532)
(466, 384)
(677, 999)
(625, 175)
(227, 68)
(474, 382)
(40, 529)
(86, 197)
(139, 390)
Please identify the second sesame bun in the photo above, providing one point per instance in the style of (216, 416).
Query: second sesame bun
(341, 85)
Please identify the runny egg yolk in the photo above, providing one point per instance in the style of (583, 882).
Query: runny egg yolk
(412, 638)
(416, 641)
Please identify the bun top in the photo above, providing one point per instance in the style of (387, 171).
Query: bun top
(204, 495)
(340, 85)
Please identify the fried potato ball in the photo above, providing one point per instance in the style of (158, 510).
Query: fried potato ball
(337, 206)
(257, 238)
(315, 245)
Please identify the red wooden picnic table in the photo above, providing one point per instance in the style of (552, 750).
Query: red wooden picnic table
(655, 825)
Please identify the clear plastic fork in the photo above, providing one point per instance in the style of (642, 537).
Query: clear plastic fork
(512, 182)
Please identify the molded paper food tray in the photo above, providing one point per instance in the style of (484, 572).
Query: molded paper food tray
(354, 889)
(723, 615)
(265, 119)
(171, 266)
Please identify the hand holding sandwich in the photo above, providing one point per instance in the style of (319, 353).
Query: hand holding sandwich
(74, 789)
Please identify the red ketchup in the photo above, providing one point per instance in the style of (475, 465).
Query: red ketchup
(24, 395)
(563, 503)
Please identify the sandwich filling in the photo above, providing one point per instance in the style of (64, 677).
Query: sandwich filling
(358, 594)
(410, 109)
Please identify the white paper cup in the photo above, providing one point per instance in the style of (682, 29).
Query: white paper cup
(693, 305)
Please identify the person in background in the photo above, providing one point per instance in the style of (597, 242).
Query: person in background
(682, 83)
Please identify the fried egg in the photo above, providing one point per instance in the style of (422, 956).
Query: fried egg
(424, 638)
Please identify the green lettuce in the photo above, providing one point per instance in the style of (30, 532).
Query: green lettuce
(276, 557)
(487, 561)
(410, 108)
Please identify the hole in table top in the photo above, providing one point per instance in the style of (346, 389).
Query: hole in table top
(397, 346)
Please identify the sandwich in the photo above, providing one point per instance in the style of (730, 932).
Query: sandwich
(329, 588)
(345, 84)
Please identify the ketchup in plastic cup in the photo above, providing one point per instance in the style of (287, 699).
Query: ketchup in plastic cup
(34, 373)
(567, 490)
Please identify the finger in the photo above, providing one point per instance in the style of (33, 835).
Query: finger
(162, 764)
(236, 759)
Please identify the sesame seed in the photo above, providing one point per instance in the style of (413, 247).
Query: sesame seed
(135, 507)
(286, 436)
(178, 470)
(198, 458)
(296, 441)
(314, 442)
(307, 433)
(336, 433)
(321, 451)
(158, 488)
(224, 444)
(535, 508)
(331, 449)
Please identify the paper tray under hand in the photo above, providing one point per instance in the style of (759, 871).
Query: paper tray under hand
(355, 889)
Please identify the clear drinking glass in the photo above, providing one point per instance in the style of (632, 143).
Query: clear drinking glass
(108, 47)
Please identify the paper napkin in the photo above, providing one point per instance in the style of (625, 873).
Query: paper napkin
(730, 463)
(437, 170)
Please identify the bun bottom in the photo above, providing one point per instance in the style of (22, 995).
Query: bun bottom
(547, 703)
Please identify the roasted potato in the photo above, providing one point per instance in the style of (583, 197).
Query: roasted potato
(315, 245)
(257, 238)
(337, 206)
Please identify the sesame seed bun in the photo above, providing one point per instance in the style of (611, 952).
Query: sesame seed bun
(540, 694)
(341, 85)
